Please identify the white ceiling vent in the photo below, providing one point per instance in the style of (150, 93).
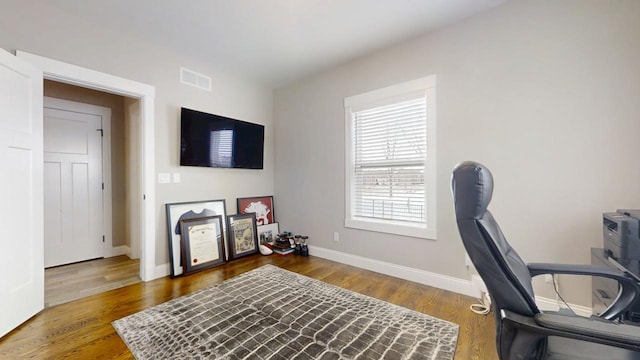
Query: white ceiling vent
(190, 77)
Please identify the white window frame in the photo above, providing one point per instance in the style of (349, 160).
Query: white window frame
(389, 95)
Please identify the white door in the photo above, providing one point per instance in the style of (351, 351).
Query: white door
(21, 243)
(73, 212)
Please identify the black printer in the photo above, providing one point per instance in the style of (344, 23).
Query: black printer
(621, 237)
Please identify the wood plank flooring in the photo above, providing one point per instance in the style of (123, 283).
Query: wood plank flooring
(75, 281)
(82, 329)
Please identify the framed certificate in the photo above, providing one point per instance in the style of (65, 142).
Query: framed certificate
(184, 211)
(202, 243)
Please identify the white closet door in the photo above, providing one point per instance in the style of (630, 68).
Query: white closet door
(73, 212)
(21, 193)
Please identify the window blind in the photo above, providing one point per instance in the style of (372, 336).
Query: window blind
(388, 171)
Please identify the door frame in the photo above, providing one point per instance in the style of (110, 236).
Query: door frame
(108, 249)
(75, 75)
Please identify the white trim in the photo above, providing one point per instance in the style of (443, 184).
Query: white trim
(445, 282)
(465, 287)
(374, 96)
(87, 78)
(117, 251)
(543, 303)
(426, 87)
(162, 270)
(76, 75)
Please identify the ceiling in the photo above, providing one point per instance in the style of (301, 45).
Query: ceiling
(274, 42)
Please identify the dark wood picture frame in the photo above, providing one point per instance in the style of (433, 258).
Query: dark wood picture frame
(202, 243)
(188, 210)
(261, 205)
(243, 235)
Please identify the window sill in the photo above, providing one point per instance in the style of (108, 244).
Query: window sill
(396, 228)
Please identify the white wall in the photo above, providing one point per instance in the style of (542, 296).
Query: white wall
(545, 93)
(39, 28)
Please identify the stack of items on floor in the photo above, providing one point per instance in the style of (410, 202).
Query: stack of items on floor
(288, 244)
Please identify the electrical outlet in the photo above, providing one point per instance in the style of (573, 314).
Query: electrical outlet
(336, 236)
(467, 260)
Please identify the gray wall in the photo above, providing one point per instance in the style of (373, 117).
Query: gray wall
(544, 92)
(40, 28)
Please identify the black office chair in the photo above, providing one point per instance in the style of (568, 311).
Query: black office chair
(522, 330)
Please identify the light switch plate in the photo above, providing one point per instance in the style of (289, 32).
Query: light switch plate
(176, 177)
(164, 178)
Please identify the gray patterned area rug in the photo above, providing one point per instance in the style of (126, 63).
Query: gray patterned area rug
(272, 313)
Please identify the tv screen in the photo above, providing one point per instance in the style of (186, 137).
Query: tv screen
(217, 141)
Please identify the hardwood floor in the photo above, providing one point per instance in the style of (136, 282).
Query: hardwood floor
(82, 329)
(75, 281)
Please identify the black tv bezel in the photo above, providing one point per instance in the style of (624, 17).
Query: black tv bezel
(195, 114)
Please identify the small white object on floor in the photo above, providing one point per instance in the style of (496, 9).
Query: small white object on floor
(265, 250)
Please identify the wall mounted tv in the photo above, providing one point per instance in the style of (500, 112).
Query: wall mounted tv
(217, 141)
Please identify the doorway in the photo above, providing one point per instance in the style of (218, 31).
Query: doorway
(66, 283)
(22, 149)
(86, 220)
(76, 167)
(140, 106)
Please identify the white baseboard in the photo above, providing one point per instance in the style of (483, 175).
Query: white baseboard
(471, 287)
(439, 281)
(162, 271)
(117, 251)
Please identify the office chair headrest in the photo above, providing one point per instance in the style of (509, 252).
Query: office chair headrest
(472, 187)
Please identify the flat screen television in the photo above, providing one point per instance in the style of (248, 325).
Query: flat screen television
(216, 141)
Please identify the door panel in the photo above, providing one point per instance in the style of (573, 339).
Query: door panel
(21, 257)
(64, 135)
(19, 163)
(15, 103)
(73, 178)
(53, 201)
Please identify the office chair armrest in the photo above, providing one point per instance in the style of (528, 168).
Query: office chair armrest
(536, 269)
(629, 287)
(575, 327)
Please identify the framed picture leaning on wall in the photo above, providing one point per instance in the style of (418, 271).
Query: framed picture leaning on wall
(268, 233)
(261, 205)
(243, 235)
(185, 211)
(202, 243)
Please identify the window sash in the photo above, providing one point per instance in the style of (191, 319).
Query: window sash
(389, 143)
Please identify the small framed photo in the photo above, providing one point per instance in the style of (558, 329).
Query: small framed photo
(268, 233)
(185, 211)
(202, 243)
(243, 237)
(261, 205)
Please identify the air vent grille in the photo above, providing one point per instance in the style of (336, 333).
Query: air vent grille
(195, 79)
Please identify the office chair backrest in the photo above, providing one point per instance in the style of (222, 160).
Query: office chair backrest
(504, 273)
